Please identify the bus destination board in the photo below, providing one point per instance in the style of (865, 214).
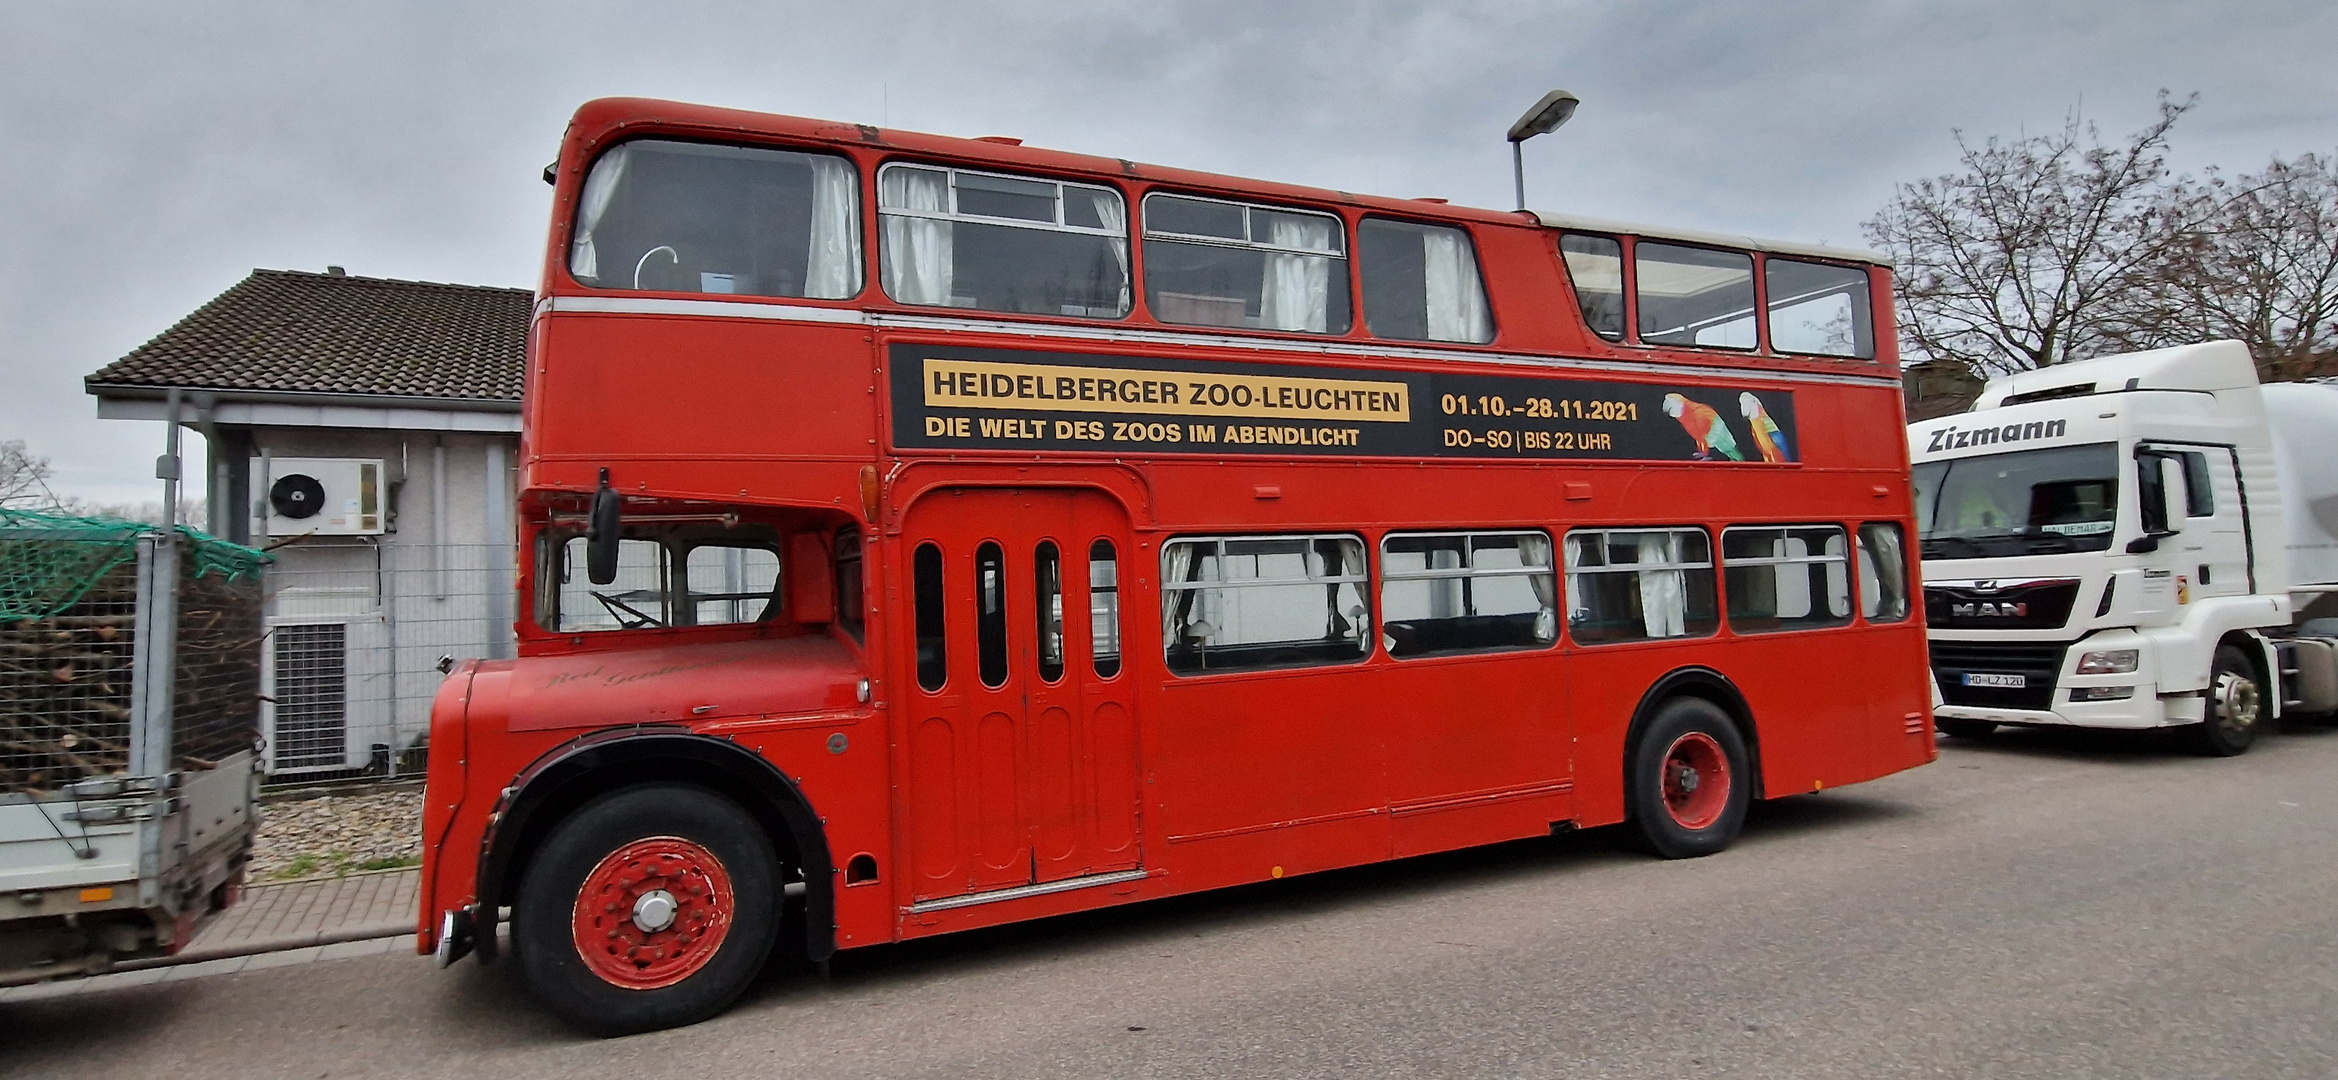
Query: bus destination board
(947, 398)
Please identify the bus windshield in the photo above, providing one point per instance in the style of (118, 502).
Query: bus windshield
(2028, 502)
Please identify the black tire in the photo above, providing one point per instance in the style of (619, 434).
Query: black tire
(1964, 729)
(2236, 706)
(544, 934)
(1692, 726)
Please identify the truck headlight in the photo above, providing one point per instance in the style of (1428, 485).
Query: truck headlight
(2101, 693)
(2107, 662)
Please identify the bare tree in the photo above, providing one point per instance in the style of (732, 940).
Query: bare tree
(2263, 270)
(2022, 260)
(24, 479)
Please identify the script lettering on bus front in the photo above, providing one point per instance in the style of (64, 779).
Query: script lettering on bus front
(948, 398)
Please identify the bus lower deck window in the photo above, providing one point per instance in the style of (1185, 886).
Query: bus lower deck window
(1794, 577)
(1246, 602)
(1883, 572)
(1104, 608)
(933, 657)
(1466, 592)
(1640, 584)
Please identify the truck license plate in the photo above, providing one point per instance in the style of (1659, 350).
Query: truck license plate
(1991, 678)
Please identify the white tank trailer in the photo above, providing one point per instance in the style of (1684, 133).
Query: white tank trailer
(2138, 541)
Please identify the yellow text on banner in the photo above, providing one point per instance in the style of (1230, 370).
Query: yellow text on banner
(986, 384)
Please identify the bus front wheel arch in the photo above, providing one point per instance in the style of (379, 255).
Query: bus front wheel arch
(1654, 739)
(569, 779)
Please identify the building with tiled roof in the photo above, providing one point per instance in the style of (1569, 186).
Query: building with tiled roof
(289, 335)
(365, 429)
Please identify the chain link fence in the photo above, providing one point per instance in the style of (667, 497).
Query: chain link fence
(356, 629)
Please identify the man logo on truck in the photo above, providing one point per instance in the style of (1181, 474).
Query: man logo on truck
(2009, 609)
(1951, 438)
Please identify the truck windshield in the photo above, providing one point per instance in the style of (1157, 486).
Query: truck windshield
(2028, 502)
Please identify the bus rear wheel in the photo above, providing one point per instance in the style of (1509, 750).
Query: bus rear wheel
(648, 908)
(2236, 706)
(1690, 780)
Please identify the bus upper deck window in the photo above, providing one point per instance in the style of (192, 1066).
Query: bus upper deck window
(1694, 296)
(1595, 266)
(954, 238)
(701, 218)
(1819, 309)
(1214, 263)
(1421, 283)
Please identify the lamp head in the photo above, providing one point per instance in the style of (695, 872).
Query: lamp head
(1546, 115)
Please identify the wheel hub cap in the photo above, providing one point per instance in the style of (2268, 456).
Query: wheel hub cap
(2237, 703)
(1696, 781)
(653, 912)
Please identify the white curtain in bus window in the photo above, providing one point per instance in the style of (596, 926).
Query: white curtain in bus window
(1215, 263)
(1694, 296)
(1104, 608)
(1639, 584)
(1421, 283)
(729, 583)
(917, 255)
(1595, 266)
(989, 242)
(701, 218)
(1883, 572)
(1466, 592)
(636, 598)
(1818, 309)
(1787, 578)
(1244, 603)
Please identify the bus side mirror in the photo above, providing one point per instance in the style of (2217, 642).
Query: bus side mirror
(601, 534)
(811, 581)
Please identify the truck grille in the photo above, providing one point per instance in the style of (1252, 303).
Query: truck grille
(2038, 663)
(2027, 605)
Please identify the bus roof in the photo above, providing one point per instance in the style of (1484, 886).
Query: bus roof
(1690, 236)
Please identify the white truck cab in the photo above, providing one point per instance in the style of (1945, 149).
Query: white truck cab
(2109, 544)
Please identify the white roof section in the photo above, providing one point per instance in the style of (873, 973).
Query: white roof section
(2208, 367)
(1731, 240)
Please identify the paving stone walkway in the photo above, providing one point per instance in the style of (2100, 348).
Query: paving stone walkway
(317, 911)
(293, 922)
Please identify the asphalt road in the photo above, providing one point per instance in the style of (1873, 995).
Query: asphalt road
(2043, 905)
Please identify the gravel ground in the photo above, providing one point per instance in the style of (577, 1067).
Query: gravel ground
(312, 835)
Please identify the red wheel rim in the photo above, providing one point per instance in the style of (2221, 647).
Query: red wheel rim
(1696, 780)
(653, 912)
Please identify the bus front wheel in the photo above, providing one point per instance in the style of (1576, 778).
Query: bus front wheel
(650, 907)
(1690, 780)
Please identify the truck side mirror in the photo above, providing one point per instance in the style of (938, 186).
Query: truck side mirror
(2153, 480)
(601, 534)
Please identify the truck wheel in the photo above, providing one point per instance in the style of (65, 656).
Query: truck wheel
(2236, 706)
(650, 907)
(1689, 780)
(1964, 729)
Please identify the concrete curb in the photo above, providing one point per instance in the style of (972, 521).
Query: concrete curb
(283, 943)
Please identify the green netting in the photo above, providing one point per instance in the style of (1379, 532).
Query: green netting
(49, 561)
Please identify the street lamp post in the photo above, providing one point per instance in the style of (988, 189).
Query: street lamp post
(1544, 118)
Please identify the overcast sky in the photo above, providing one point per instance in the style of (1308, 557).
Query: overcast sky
(152, 154)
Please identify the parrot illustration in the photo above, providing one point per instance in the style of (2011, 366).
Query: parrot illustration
(1704, 425)
(1767, 436)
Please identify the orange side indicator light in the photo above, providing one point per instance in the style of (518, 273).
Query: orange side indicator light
(98, 895)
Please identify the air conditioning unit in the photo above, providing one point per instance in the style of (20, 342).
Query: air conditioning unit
(321, 496)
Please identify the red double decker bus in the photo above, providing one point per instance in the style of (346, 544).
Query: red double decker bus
(920, 533)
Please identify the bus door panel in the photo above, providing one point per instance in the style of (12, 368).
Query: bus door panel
(1022, 761)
